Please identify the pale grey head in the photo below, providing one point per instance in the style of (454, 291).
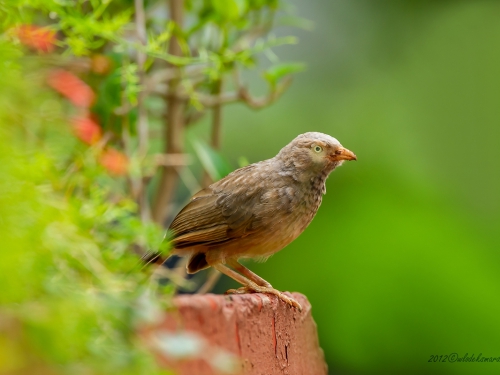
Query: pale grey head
(311, 154)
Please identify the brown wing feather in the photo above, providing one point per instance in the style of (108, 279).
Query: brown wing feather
(218, 214)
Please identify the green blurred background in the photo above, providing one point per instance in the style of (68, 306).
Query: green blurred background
(402, 260)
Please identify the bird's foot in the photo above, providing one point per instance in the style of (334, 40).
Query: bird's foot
(269, 290)
(242, 290)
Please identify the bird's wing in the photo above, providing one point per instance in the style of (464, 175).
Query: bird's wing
(220, 213)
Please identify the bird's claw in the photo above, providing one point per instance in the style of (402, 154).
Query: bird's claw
(242, 290)
(269, 290)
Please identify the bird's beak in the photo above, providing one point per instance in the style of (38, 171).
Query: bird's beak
(343, 154)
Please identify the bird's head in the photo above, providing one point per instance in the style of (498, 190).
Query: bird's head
(315, 153)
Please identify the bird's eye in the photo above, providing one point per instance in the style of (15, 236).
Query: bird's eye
(317, 149)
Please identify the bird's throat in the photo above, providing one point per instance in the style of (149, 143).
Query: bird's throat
(318, 183)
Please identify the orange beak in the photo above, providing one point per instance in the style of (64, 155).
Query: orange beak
(343, 154)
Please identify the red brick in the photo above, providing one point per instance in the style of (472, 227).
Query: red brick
(267, 335)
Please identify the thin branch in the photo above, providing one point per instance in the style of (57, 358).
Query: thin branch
(257, 103)
(216, 118)
(210, 282)
(215, 136)
(162, 87)
(174, 276)
(142, 115)
(167, 74)
(153, 162)
(210, 101)
(142, 120)
(242, 95)
(134, 183)
(193, 117)
(172, 160)
(174, 126)
(247, 39)
(78, 64)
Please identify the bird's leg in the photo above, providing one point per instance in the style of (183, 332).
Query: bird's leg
(252, 287)
(249, 274)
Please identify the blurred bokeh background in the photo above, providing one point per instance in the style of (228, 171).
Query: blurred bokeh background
(402, 260)
(401, 263)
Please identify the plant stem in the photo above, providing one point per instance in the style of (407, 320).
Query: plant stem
(142, 115)
(215, 136)
(217, 118)
(174, 126)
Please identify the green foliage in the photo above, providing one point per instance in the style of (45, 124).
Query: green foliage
(274, 74)
(71, 282)
(84, 87)
(401, 262)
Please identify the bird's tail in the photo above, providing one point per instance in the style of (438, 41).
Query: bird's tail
(153, 258)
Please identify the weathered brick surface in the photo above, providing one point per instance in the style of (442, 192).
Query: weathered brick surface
(267, 335)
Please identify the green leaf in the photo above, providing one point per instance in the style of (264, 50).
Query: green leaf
(213, 163)
(274, 74)
(229, 10)
(109, 98)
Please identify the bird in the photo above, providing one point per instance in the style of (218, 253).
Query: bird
(256, 211)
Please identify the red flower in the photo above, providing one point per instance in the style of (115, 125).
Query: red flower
(37, 38)
(114, 161)
(72, 87)
(86, 129)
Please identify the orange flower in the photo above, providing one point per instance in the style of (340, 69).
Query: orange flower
(86, 129)
(114, 161)
(100, 64)
(72, 87)
(37, 38)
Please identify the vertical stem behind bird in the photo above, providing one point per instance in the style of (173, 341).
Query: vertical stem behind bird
(174, 125)
(182, 83)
